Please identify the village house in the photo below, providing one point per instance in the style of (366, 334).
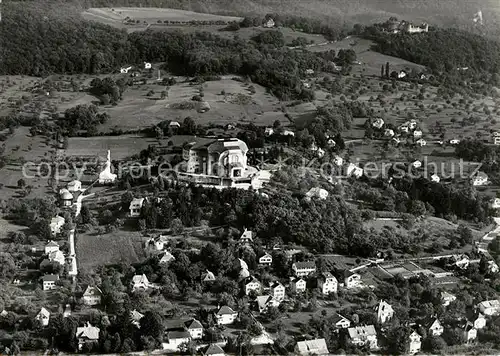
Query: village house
(315, 347)
(92, 296)
(214, 350)
(156, 244)
(478, 320)
(404, 128)
(195, 329)
(479, 179)
(56, 224)
(87, 334)
(266, 259)
(207, 277)
(489, 307)
(338, 161)
(340, 322)
(352, 280)
(43, 317)
(252, 284)
(67, 311)
(417, 134)
(496, 138)
(175, 339)
(58, 257)
(354, 171)
(246, 237)
(389, 133)
(402, 74)
(268, 131)
(147, 65)
(434, 327)
(167, 257)
(51, 246)
(125, 70)
(454, 141)
(495, 204)
(266, 301)
(135, 318)
(461, 261)
(298, 285)
(416, 164)
(317, 192)
(492, 267)
(470, 332)
(106, 177)
(415, 342)
(277, 291)
(363, 335)
(447, 298)
(135, 207)
(288, 133)
(327, 283)
(378, 123)
(435, 178)
(140, 282)
(269, 23)
(174, 125)
(304, 269)
(225, 315)
(331, 142)
(421, 142)
(66, 197)
(385, 312)
(49, 281)
(74, 186)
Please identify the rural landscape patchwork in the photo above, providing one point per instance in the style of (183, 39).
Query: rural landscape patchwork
(258, 177)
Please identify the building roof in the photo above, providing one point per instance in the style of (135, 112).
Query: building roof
(167, 257)
(262, 300)
(315, 346)
(178, 335)
(305, 265)
(214, 349)
(193, 324)
(92, 292)
(136, 316)
(57, 220)
(88, 331)
(243, 264)
(336, 318)
(139, 279)
(361, 331)
(225, 310)
(43, 313)
(52, 244)
(276, 284)
(50, 278)
(65, 194)
(316, 192)
(136, 202)
(251, 279)
(208, 276)
(247, 235)
(490, 304)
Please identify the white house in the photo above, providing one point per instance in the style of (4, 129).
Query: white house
(435, 328)
(447, 298)
(207, 276)
(269, 23)
(135, 318)
(140, 281)
(56, 224)
(266, 301)
(489, 307)
(106, 177)
(479, 179)
(385, 312)
(341, 322)
(389, 133)
(327, 283)
(435, 178)
(417, 133)
(495, 204)
(288, 133)
(49, 281)
(43, 317)
(66, 197)
(175, 339)
(136, 206)
(338, 161)
(478, 321)
(317, 192)
(252, 284)
(303, 269)
(415, 342)
(461, 261)
(74, 186)
(92, 296)
(378, 123)
(214, 350)
(246, 236)
(354, 171)
(57, 256)
(125, 70)
(167, 257)
(421, 142)
(492, 267)
(87, 334)
(470, 332)
(174, 124)
(309, 71)
(266, 259)
(51, 246)
(312, 347)
(147, 65)
(404, 128)
(268, 131)
(402, 74)
(298, 285)
(352, 280)
(363, 335)
(454, 141)
(416, 164)
(277, 291)
(195, 329)
(225, 315)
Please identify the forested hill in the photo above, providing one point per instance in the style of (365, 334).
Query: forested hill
(440, 49)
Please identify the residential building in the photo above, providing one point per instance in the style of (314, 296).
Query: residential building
(74, 186)
(156, 244)
(268, 131)
(435, 178)
(269, 23)
(402, 74)
(298, 285)
(421, 142)
(246, 237)
(174, 125)
(252, 284)
(385, 312)
(135, 207)
(67, 311)
(496, 139)
(167, 257)
(265, 301)
(352, 280)
(277, 291)
(135, 318)
(195, 329)
(389, 133)
(87, 334)
(416, 164)
(214, 350)
(478, 321)
(312, 347)
(447, 298)
(140, 282)
(378, 123)
(57, 256)
(470, 332)
(106, 176)
(309, 71)
(415, 342)
(225, 315)
(175, 339)
(66, 197)
(304, 269)
(317, 192)
(338, 161)
(49, 281)
(266, 259)
(489, 307)
(207, 276)
(479, 179)
(288, 133)
(43, 317)
(92, 296)
(417, 134)
(495, 204)
(461, 261)
(147, 65)
(454, 141)
(341, 322)
(435, 328)
(51, 246)
(363, 335)
(492, 267)
(404, 128)
(354, 171)
(125, 70)
(56, 224)
(327, 283)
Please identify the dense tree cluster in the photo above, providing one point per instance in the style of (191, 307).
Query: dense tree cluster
(108, 90)
(82, 118)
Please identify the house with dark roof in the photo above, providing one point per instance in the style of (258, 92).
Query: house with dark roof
(92, 296)
(340, 322)
(214, 350)
(49, 281)
(225, 315)
(304, 269)
(194, 328)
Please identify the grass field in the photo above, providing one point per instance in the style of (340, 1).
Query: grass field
(121, 146)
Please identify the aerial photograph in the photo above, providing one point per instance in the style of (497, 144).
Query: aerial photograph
(249, 177)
